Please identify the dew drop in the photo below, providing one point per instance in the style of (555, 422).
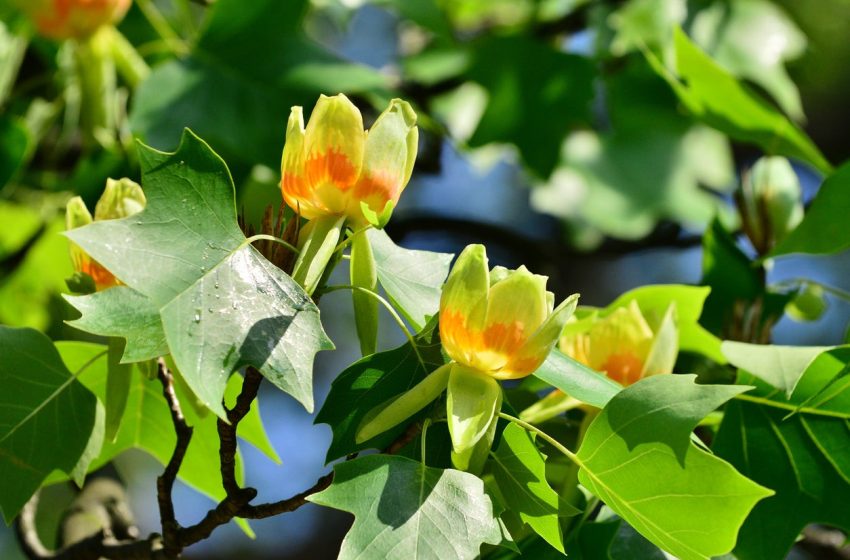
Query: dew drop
(210, 309)
(197, 317)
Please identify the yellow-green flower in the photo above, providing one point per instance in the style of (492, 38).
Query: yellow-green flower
(498, 324)
(77, 19)
(625, 345)
(335, 168)
(120, 199)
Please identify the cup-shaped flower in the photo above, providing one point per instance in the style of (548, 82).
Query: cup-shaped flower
(335, 168)
(500, 322)
(624, 344)
(120, 199)
(73, 19)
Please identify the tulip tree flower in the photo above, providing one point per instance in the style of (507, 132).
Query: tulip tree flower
(120, 199)
(337, 175)
(73, 19)
(494, 325)
(624, 345)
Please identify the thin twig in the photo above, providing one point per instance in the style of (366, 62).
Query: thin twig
(227, 430)
(165, 482)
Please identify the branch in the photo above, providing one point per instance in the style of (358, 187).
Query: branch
(165, 482)
(227, 430)
(91, 548)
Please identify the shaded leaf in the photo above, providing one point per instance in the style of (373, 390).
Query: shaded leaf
(823, 230)
(123, 312)
(221, 303)
(405, 510)
(370, 382)
(412, 279)
(520, 472)
(46, 416)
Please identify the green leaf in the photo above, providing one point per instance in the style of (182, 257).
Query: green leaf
(714, 96)
(780, 366)
(20, 224)
(736, 35)
(403, 509)
(46, 416)
(689, 300)
(233, 91)
(117, 387)
(808, 304)
(221, 303)
(520, 472)
(577, 380)
(638, 457)
(823, 230)
(363, 274)
(531, 105)
(370, 382)
(805, 459)
(27, 295)
(123, 312)
(13, 147)
(412, 279)
(147, 424)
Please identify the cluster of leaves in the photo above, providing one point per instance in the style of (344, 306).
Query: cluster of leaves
(646, 117)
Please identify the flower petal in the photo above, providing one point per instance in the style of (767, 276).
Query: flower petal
(516, 308)
(471, 405)
(389, 154)
(333, 145)
(665, 347)
(463, 305)
(534, 352)
(120, 199)
(620, 344)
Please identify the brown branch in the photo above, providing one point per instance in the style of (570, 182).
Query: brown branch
(94, 547)
(165, 482)
(227, 430)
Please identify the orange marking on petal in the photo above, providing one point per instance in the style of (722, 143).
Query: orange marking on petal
(333, 166)
(504, 338)
(525, 366)
(377, 187)
(102, 278)
(625, 368)
(454, 330)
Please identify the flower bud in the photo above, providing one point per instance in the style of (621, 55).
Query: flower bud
(73, 19)
(770, 202)
(335, 168)
(120, 199)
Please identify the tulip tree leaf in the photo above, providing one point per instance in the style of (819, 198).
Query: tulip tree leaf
(123, 312)
(147, 424)
(229, 90)
(638, 457)
(406, 510)
(780, 366)
(823, 230)
(519, 469)
(531, 105)
(370, 382)
(46, 416)
(714, 96)
(804, 458)
(221, 303)
(412, 279)
(577, 380)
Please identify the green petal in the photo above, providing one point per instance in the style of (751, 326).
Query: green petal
(473, 399)
(537, 348)
(665, 347)
(463, 304)
(397, 410)
(120, 199)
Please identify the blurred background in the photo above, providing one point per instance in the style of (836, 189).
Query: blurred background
(545, 134)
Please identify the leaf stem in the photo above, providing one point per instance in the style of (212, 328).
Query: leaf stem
(555, 443)
(389, 308)
(425, 425)
(162, 27)
(790, 406)
(347, 241)
(266, 237)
